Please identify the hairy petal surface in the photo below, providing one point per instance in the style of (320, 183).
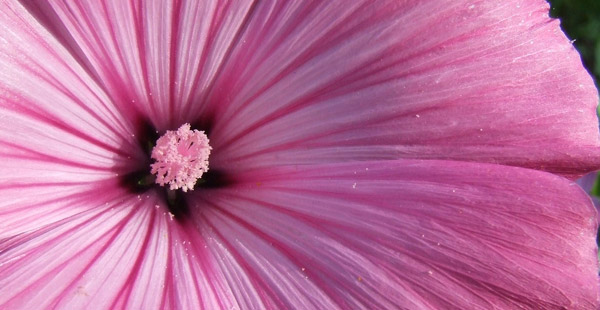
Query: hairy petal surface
(487, 81)
(405, 234)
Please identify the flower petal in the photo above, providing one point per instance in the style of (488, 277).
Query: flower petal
(159, 57)
(109, 251)
(39, 265)
(491, 81)
(407, 234)
(53, 115)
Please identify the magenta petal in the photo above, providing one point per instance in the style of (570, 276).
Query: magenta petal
(407, 234)
(491, 81)
(289, 88)
(56, 122)
(375, 235)
(487, 81)
(159, 57)
(109, 252)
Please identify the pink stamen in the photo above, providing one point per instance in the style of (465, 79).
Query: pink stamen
(181, 158)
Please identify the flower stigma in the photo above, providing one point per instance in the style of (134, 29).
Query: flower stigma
(181, 157)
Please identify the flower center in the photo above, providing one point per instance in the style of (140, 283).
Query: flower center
(181, 157)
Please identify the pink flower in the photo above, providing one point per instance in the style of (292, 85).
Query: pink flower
(365, 155)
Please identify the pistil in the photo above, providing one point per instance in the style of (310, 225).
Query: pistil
(181, 158)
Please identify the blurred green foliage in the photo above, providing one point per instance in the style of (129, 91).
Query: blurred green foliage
(580, 20)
